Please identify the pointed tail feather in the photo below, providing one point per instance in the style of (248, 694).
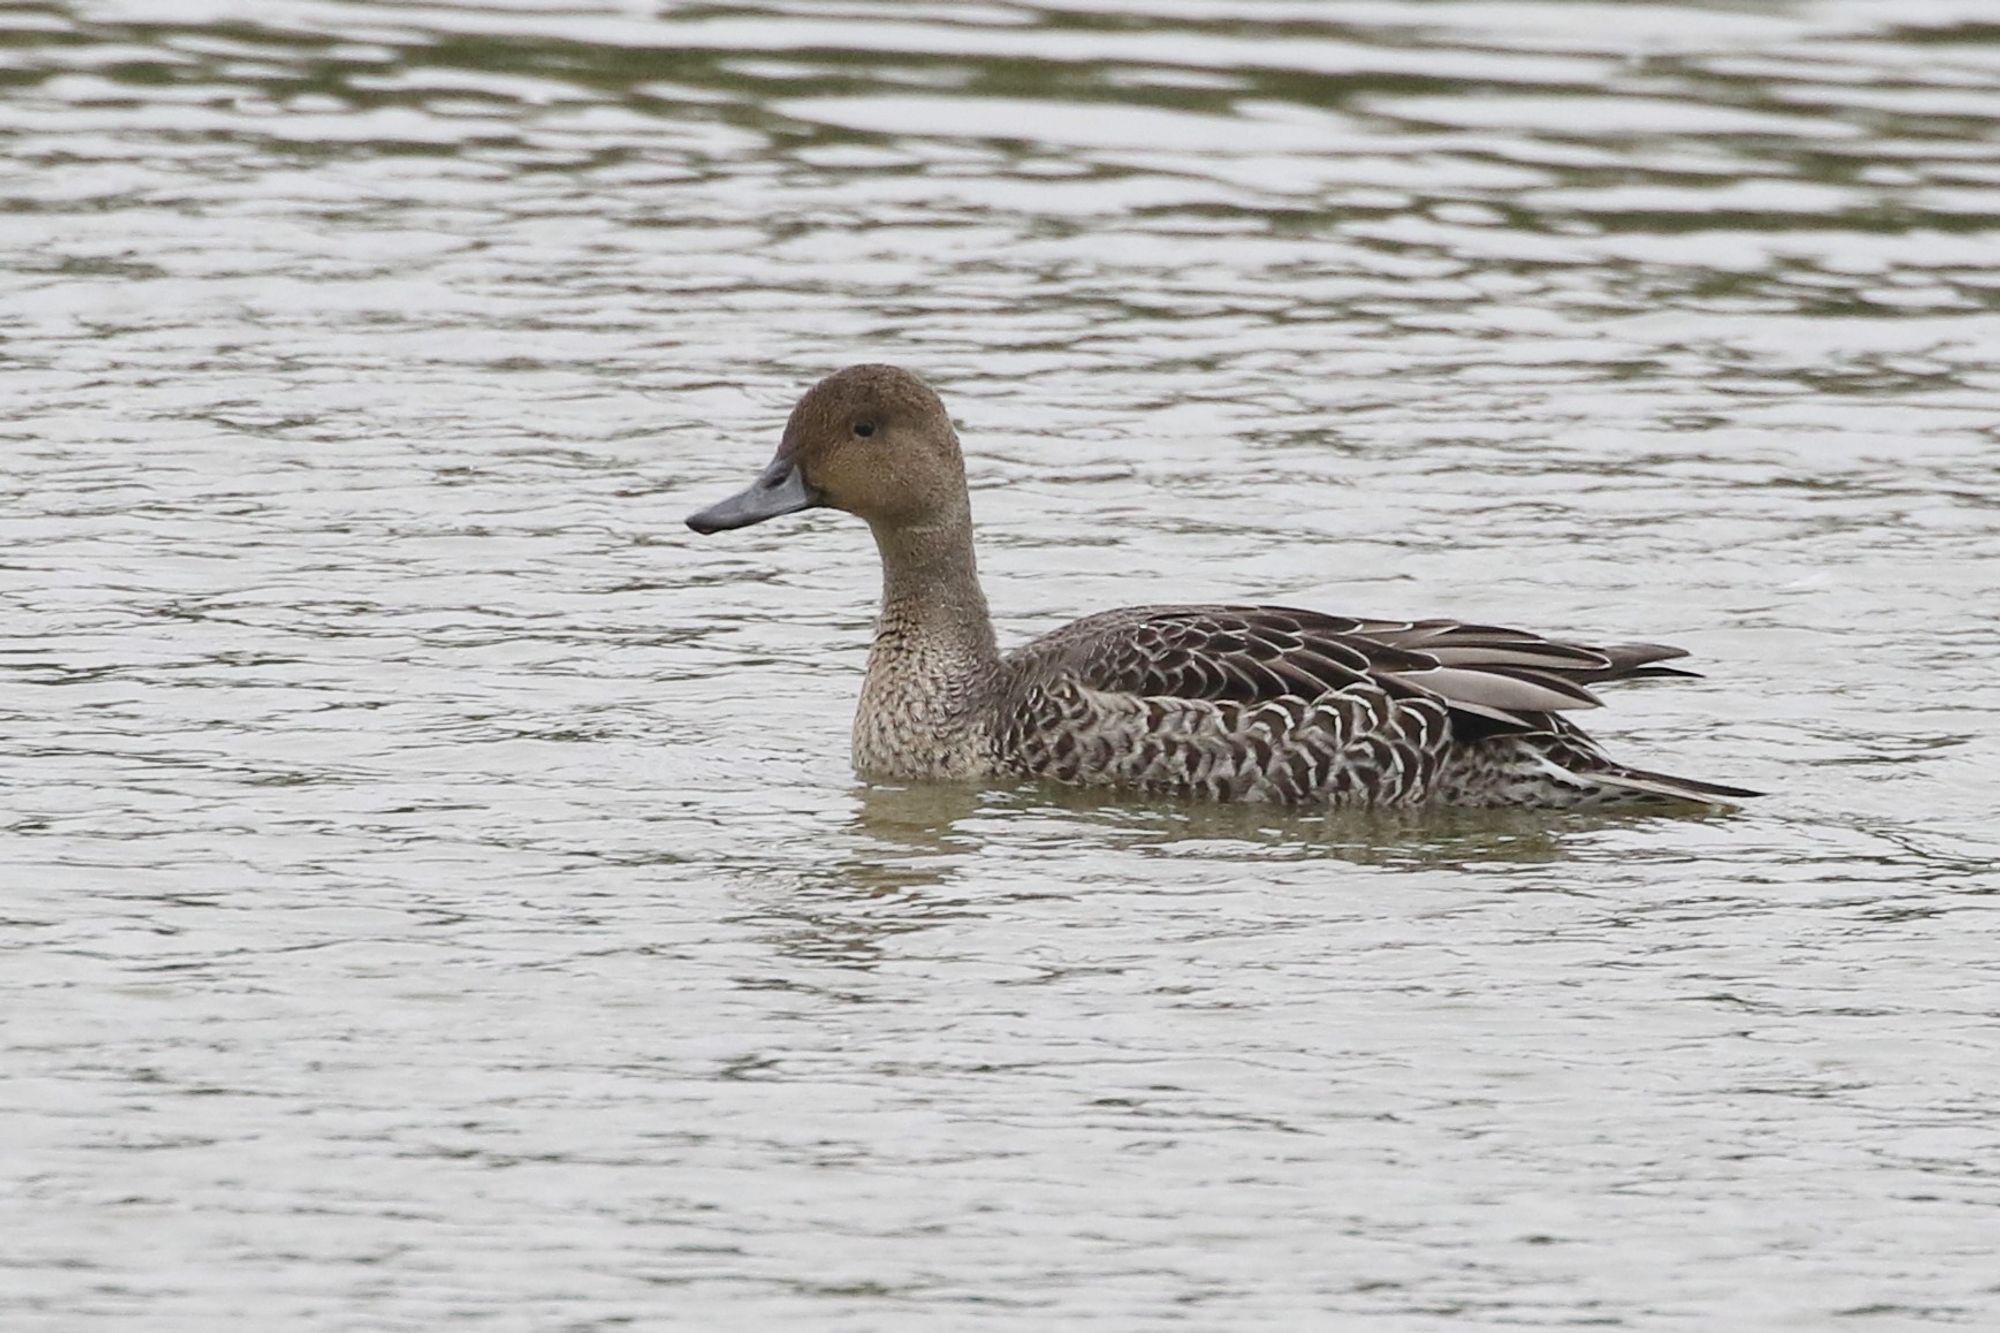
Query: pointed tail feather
(1639, 661)
(1659, 672)
(1678, 789)
(1638, 654)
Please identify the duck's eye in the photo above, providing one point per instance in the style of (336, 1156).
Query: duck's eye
(864, 428)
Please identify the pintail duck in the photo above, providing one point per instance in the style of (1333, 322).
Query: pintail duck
(1246, 703)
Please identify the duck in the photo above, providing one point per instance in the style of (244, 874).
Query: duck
(1207, 701)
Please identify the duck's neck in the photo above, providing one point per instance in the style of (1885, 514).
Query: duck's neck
(934, 657)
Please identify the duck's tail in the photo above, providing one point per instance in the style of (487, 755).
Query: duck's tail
(1621, 778)
(1561, 768)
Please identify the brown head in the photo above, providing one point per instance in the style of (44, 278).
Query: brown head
(872, 440)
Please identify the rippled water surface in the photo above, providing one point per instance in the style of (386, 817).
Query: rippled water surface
(436, 894)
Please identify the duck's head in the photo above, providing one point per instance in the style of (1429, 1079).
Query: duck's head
(872, 440)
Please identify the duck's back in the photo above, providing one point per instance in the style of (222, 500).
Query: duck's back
(1277, 704)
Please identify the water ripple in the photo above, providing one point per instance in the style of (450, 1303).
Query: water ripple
(438, 890)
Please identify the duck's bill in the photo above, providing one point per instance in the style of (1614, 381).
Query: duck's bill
(781, 490)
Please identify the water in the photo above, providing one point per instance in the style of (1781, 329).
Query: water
(435, 892)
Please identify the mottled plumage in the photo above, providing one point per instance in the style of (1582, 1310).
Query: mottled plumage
(1276, 704)
(1239, 703)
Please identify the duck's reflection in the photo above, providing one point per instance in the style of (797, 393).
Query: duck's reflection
(914, 831)
(910, 858)
(910, 836)
(886, 873)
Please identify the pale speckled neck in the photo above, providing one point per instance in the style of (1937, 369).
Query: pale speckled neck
(930, 590)
(934, 660)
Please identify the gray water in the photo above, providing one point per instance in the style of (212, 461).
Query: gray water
(435, 894)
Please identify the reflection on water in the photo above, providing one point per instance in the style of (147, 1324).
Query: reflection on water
(917, 834)
(437, 892)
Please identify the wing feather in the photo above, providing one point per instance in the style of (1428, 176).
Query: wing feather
(1507, 678)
